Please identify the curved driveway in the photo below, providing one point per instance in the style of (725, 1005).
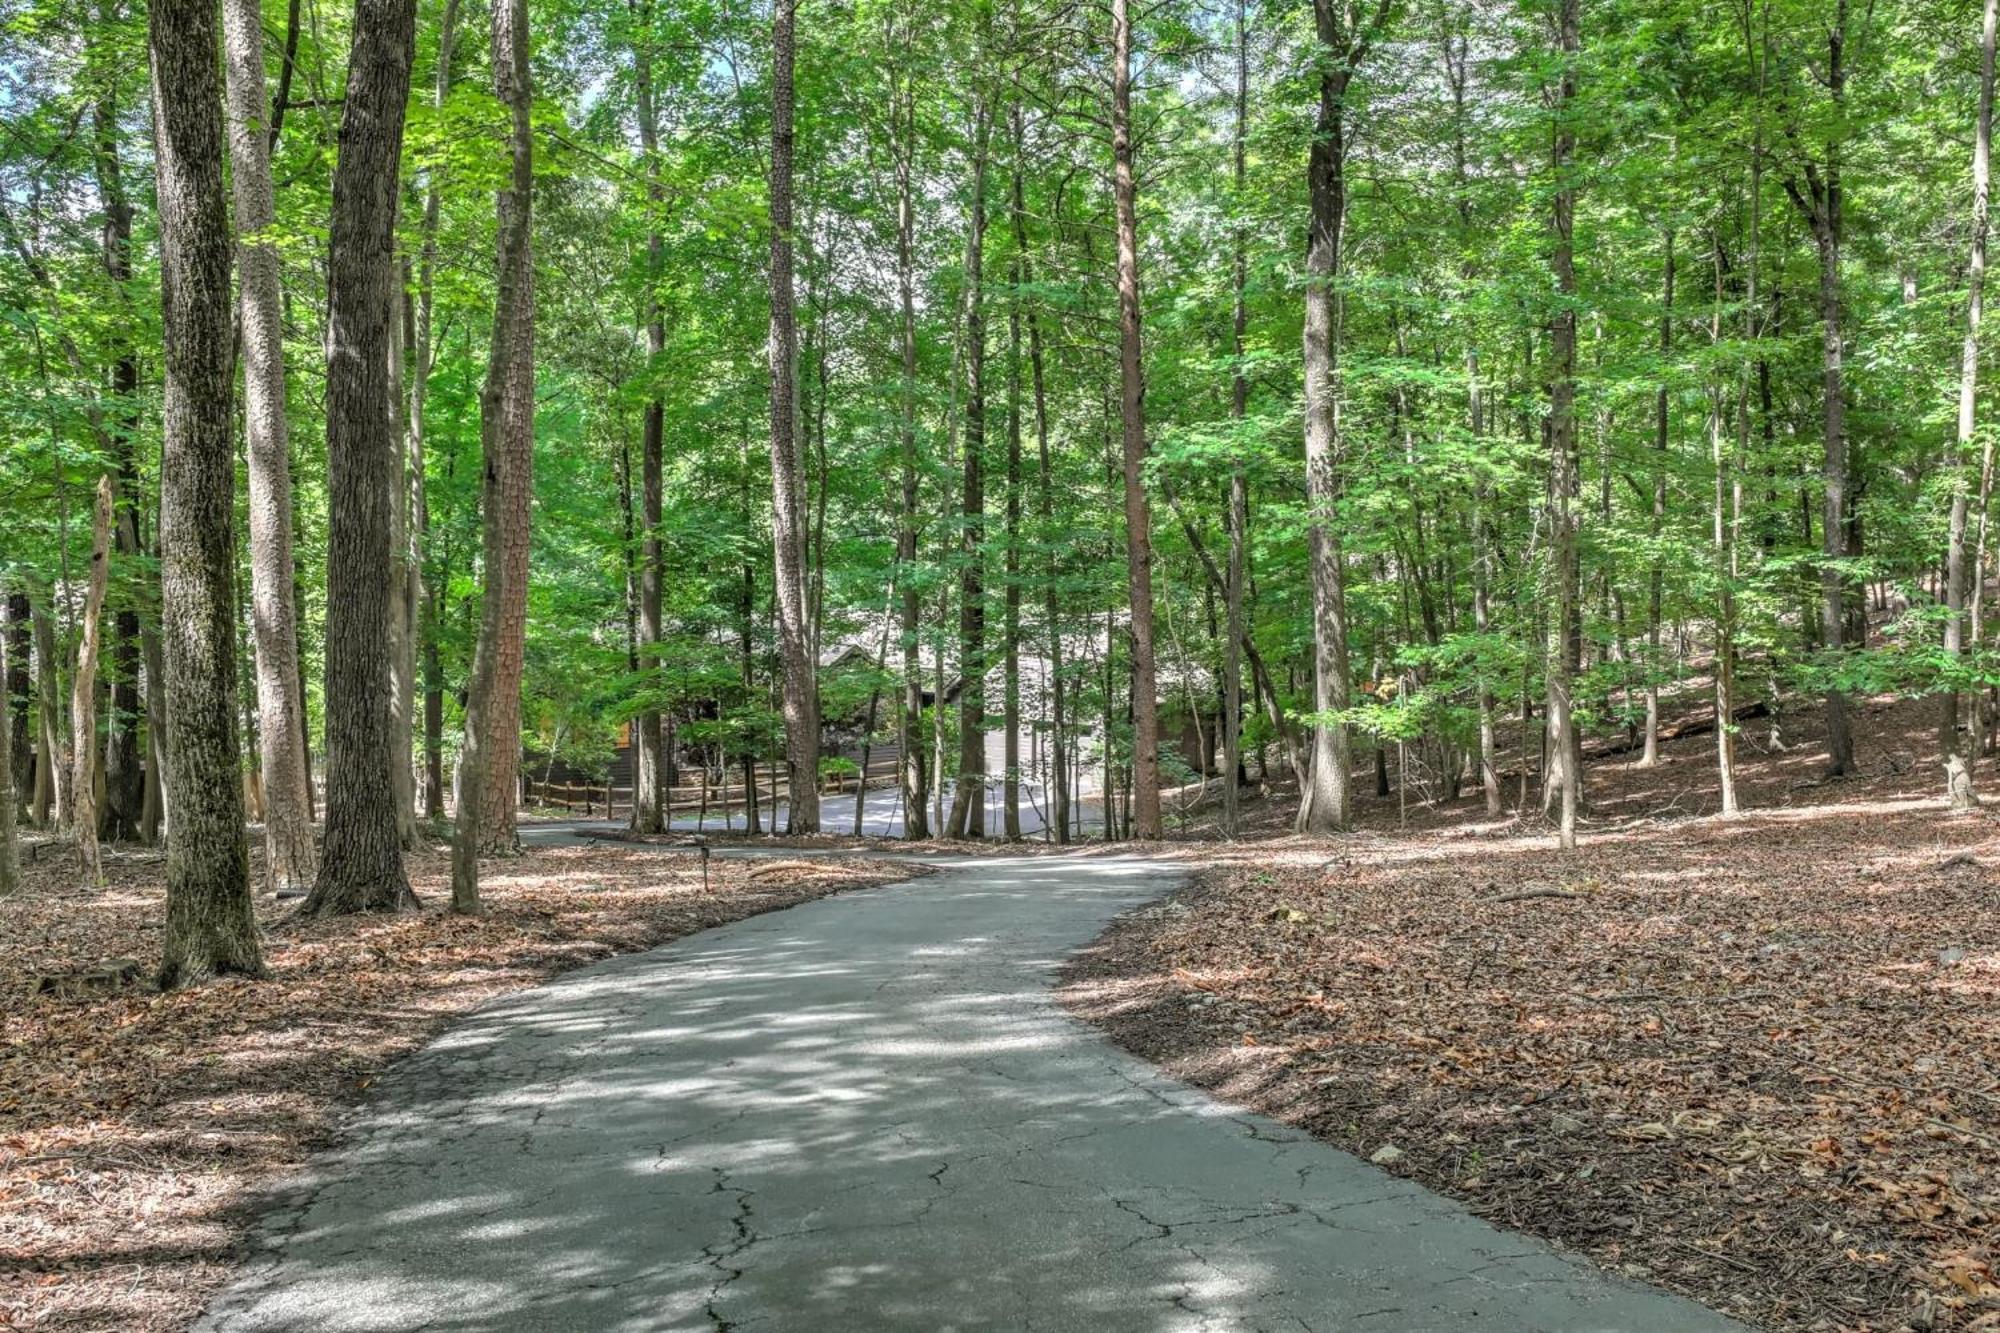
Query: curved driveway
(868, 1113)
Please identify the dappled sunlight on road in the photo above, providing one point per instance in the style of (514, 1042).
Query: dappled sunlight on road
(863, 1113)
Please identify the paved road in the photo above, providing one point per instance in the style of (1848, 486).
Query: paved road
(866, 1113)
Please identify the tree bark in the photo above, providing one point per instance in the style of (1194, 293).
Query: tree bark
(910, 716)
(361, 862)
(1656, 576)
(83, 689)
(1010, 631)
(209, 928)
(799, 687)
(647, 797)
(11, 646)
(290, 857)
(52, 772)
(1132, 418)
(968, 797)
(1239, 497)
(1324, 804)
(119, 813)
(1961, 794)
(491, 754)
(426, 595)
(18, 699)
(1566, 638)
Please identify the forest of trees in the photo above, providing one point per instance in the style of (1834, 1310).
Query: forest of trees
(389, 387)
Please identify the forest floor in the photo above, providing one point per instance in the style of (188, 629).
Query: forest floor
(136, 1128)
(1751, 1060)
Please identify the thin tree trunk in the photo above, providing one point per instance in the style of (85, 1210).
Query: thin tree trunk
(1239, 495)
(1010, 763)
(1566, 638)
(1656, 576)
(1059, 747)
(968, 798)
(910, 716)
(799, 688)
(18, 698)
(52, 774)
(119, 812)
(491, 754)
(209, 928)
(11, 665)
(1132, 416)
(83, 690)
(361, 861)
(1959, 788)
(647, 793)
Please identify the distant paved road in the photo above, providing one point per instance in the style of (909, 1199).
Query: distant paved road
(867, 1113)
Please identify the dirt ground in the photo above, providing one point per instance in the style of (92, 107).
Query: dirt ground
(135, 1127)
(1754, 1060)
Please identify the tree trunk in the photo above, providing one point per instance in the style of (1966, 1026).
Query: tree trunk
(1324, 789)
(83, 690)
(910, 716)
(1010, 706)
(123, 776)
(1132, 416)
(17, 698)
(52, 773)
(968, 797)
(290, 856)
(426, 585)
(1566, 640)
(1239, 495)
(799, 687)
(209, 927)
(1961, 794)
(1656, 576)
(361, 862)
(1059, 748)
(11, 664)
(491, 753)
(647, 789)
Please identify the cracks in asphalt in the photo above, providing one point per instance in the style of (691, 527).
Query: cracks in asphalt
(721, 1257)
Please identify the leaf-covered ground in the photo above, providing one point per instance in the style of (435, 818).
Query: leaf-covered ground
(1757, 1060)
(135, 1126)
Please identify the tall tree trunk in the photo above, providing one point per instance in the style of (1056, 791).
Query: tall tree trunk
(361, 861)
(1723, 535)
(1566, 637)
(1132, 417)
(799, 686)
(1958, 776)
(290, 857)
(647, 792)
(209, 928)
(491, 754)
(83, 689)
(968, 797)
(1656, 576)
(124, 778)
(1239, 496)
(1059, 747)
(910, 716)
(1010, 707)
(424, 356)
(1324, 789)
